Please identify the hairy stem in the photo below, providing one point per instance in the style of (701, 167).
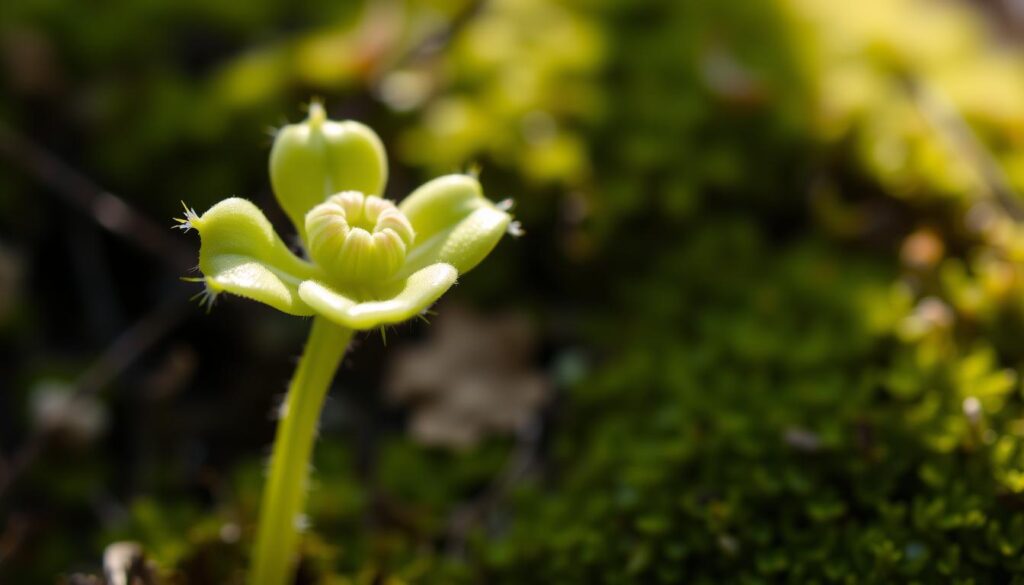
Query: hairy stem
(284, 495)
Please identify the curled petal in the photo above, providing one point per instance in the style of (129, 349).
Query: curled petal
(454, 223)
(412, 297)
(241, 254)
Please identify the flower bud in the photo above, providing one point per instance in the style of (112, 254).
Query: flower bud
(454, 222)
(317, 157)
(358, 238)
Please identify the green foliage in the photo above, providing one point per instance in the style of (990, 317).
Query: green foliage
(700, 108)
(517, 85)
(877, 87)
(766, 436)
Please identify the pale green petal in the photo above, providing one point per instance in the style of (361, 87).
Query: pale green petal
(420, 291)
(454, 223)
(241, 254)
(317, 158)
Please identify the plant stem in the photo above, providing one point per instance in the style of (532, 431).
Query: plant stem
(284, 495)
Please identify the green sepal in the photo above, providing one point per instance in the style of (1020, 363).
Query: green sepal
(241, 254)
(408, 298)
(454, 223)
(317, 158)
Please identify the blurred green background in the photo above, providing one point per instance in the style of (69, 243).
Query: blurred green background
(766, 323)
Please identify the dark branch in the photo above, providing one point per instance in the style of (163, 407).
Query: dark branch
(105, 208)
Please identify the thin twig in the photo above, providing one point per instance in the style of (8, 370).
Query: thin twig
(947, 120)
(107, 209)
(113, 214)
(117, 358)
(434, 43)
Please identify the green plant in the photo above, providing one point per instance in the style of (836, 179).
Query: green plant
(371, 263)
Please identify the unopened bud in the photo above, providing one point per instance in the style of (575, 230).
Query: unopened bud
(317, 157)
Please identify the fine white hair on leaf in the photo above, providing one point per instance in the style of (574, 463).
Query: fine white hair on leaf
(187, 223)
(281, 410)
(515, 229)
(206, 298)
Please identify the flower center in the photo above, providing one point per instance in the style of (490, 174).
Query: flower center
(358, 238)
